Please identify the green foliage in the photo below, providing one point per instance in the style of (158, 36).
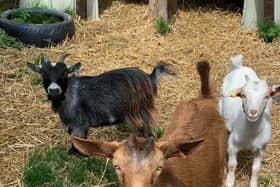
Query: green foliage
(38, 174)
(58, 183)
(161, 26)
(78, 174)
(6, 5)
(266, 181)
(70, 11)
(55, 167)
(29, 17)
(2, 6)
(160, 132)
(38, 60)
(8, 41)
(268, 31)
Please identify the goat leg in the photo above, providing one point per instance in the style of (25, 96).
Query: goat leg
(232, 163)
(78, 132)
(256, 167)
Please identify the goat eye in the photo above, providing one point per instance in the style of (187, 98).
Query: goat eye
(266, 97)
(117, 167)
(159, 168)
(242, 95)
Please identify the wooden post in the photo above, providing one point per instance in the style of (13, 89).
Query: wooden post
(172, 6)
(158, 8)
(277, 11)
(92, 9)
(162, 8)
(253, 13)
(82, 8)
(269, 10)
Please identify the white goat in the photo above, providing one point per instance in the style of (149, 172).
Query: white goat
(245, 105)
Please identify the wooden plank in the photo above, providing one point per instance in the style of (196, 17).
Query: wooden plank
(162, 8)
(103, 5)
(92, 9)
(269, 10)
(81, 6)
(277, 11)
(158, 8)
(253, 13)
(172, 7)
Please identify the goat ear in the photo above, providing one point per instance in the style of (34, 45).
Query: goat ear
(236, 93)
(74, 69)
(179, 150)
(95, 148)
(275, 90)
(34, 68)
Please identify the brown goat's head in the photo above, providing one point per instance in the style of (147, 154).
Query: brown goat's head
(138, 161)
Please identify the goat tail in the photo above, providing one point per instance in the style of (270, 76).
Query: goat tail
(235, 62)
(160, 70)
(203, 68)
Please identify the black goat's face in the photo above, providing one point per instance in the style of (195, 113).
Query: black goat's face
(55, 75)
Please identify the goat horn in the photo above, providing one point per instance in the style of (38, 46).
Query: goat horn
(44, 58)
(62, 57)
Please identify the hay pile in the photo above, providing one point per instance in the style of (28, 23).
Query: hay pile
(125, 37)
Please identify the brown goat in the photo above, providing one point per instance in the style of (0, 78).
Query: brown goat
(190, 154)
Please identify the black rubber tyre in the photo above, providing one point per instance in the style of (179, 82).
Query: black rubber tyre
(40, 35)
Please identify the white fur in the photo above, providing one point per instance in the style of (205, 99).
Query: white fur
(53, 85)
(111, 118)
(245, 134)
(236, 62)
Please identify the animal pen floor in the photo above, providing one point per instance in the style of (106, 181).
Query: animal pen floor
(125, 36)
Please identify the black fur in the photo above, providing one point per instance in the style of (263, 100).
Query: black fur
(122, 95)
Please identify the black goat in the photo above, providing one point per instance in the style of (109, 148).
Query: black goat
(122, 95)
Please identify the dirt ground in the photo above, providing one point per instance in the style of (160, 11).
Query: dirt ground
(124, 36)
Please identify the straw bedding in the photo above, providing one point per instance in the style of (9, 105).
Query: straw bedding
(124, 36)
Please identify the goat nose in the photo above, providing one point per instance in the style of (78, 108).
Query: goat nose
(54, 91)
(253, 111)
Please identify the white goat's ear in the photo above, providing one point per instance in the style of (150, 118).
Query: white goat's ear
(237, 93)
(34, 68)
(74, 69)
(275, 90)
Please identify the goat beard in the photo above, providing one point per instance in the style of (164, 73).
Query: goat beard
(56, 101)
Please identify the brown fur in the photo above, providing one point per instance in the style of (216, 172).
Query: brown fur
(141, 109)
(204, 166)
(203, 69)
(190, 154)
(195, 119)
